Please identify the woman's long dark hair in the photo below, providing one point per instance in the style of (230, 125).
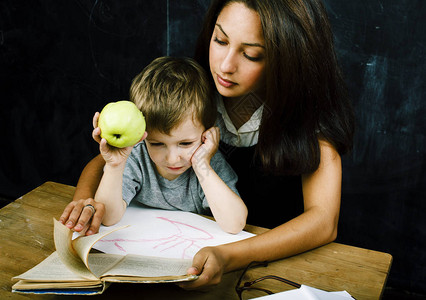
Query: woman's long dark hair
(306, 98)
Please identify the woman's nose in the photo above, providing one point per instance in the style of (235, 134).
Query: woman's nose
(229, 63)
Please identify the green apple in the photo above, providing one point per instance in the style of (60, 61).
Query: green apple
(122, 124)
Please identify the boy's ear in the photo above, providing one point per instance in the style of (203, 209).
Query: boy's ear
(144, 136)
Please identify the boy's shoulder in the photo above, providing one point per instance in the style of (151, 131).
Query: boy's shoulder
(139, 153)
(139, 147)
(224, 170)
(218, 161)
(218, 156)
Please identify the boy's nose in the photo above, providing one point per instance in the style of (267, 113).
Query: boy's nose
(173, 157)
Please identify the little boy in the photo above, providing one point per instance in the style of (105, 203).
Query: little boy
(177, 166)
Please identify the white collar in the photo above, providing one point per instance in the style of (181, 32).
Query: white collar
(252, 125)
(247, 135)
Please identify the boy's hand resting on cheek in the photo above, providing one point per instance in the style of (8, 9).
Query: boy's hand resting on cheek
(209, 145)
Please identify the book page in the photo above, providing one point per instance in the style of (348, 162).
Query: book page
(83, 244)
(62, 236)
(30, 285)
(100, 263)
(74, 253)
(147, 266)
(50, 270)
(308, 293)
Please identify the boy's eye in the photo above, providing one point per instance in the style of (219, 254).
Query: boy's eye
(155, 144)
(186, 143)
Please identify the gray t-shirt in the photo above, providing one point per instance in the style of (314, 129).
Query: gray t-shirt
(141, 182)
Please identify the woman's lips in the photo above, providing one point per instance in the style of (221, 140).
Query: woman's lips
(225, 83)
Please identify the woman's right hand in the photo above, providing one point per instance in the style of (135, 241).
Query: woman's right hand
(81, 218)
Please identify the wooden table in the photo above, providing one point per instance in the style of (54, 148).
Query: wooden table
(26, 239)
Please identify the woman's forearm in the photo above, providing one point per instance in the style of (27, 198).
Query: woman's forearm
(308, 231)
(89, 179)
(313, 228)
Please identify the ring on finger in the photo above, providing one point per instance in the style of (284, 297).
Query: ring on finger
(91, 207)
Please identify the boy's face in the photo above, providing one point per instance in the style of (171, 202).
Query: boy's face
(172, 153)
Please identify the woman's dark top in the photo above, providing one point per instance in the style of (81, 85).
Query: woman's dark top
(271, 200)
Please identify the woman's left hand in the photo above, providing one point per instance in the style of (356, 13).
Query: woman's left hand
(209, 264)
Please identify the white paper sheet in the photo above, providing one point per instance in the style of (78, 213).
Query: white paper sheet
(164, 233)
(308, 293)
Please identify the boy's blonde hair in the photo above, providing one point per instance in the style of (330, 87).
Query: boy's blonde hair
(168, 89)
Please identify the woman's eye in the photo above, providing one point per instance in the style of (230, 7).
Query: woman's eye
(252, 58)
(219, 41)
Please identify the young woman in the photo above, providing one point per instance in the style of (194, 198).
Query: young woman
(284, 120)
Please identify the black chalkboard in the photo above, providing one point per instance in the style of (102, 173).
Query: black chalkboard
(381, 46)
(60, 61)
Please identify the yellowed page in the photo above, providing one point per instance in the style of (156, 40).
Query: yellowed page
(150, 267)
(101, 262)
(74, 253)
(50, 270)
(63, 242)
(30, 285)
(83, 244)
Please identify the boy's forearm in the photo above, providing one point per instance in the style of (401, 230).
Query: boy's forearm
(89, 179)
(227, 207)
(110, 194)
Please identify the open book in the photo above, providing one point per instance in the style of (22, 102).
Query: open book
(71, 269)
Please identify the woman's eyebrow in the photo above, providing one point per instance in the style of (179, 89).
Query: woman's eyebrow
(245, 44)
(254, 45)
(221, 29)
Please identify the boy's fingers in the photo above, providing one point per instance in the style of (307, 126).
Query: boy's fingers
(96, 134)
(103, 146)
(95, 120)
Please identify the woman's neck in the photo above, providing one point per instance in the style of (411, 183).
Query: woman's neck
(241, 109)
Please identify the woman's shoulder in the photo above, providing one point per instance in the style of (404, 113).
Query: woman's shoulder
(328, 151)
